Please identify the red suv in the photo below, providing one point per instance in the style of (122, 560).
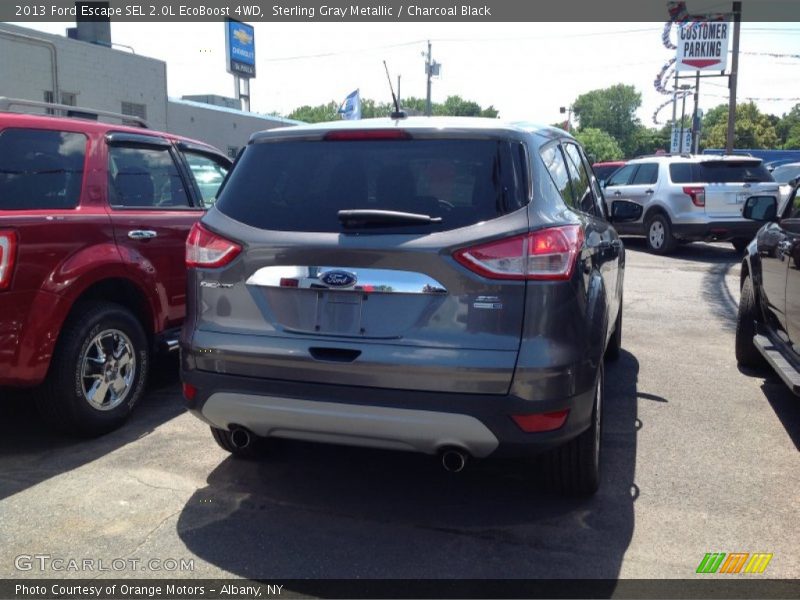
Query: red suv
(93, 221)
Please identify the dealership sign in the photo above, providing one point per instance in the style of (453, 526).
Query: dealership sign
(703, 46)
(240, 49)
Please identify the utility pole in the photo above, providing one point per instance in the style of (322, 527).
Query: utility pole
(428, 69)
(732, 82)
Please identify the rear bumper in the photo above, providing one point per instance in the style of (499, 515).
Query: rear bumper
(716, 230)
(417, 421)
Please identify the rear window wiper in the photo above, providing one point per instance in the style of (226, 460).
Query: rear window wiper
(367, 217)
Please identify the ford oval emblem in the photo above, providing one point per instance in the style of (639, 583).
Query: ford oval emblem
(338, 278)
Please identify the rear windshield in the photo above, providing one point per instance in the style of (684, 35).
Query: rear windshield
(719, 171)
(301, 185)
(40, 169)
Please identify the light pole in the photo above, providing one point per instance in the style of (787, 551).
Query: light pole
(568, 110)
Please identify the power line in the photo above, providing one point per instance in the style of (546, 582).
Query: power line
(460, 40)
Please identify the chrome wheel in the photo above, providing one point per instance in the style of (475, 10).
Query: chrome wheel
(656, 234)
(108, 369)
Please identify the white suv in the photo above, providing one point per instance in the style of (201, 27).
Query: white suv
(689, 198)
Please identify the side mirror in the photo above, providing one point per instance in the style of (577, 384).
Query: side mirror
(760, 208)
(624, 211)
(793, 182)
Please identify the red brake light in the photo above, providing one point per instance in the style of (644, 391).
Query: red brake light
(697, 194)
(541, 422)
(547, 254)
(208, 250)
(8, 255)
(367, 134)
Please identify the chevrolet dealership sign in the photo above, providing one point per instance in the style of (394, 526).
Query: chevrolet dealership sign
(703, 46)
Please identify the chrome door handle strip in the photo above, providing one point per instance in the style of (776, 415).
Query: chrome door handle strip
(345, 279)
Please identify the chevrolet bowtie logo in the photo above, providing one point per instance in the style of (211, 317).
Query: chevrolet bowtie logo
(243, 37)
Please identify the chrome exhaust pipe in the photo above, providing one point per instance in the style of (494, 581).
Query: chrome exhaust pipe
(454, 460)
(241, 438)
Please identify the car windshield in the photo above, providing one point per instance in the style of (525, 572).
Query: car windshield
(785, 173)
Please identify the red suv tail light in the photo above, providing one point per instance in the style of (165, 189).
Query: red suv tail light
(547, 254)
(208, 250)
(8, 255)
(697, 194)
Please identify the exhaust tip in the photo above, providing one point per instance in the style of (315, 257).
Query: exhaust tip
(454, 460)
(241, 438)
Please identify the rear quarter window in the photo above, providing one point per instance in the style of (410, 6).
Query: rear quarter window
(41, 169)
(301, 185)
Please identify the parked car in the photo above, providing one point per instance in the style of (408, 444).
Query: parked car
(785, 173)
(768, 325)
(93, 224)
(447, 286)
(603, 170)
(691, 198)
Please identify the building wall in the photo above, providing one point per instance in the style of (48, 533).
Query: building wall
(100, 77)
(226, 129)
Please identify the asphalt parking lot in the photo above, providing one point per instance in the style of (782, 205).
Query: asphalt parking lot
(699, 457)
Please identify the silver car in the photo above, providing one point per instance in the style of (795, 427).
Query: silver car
(691, 198)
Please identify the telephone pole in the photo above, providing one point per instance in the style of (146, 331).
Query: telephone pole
(732, 82)
(428, 69)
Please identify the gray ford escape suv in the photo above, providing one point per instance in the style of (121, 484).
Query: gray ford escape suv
(448, 286)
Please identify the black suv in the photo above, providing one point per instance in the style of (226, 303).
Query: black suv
(768, 327)
(447, 286)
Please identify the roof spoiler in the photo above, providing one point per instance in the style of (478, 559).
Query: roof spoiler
(70, 111)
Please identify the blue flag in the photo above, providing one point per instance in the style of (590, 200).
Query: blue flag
(351, 107)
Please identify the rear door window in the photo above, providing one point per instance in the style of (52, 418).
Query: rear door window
(41, 169)
(647, 174)
(622, 176)
(301, 185)
(557, 167)
(580, 180)
(145, 177)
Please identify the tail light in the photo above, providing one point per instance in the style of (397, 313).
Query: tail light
(547, 254)
(541, 422)
(697, 194)
(8, 255)
(189, 391)
(209, 250)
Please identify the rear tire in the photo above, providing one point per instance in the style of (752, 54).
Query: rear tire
(658, 234)
(98, 371)
(747, 355)
(574, 468)
(224, 439)
(740, 245)
(615, 343)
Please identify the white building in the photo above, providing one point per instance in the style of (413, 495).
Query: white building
(92, 75)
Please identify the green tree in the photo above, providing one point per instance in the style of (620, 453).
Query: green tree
(753, 129)
(788, 129)
(599, 145)
(316, 114)
(453, 106)
(612, 110)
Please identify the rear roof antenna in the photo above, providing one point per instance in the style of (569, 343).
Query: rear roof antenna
(397, 114)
